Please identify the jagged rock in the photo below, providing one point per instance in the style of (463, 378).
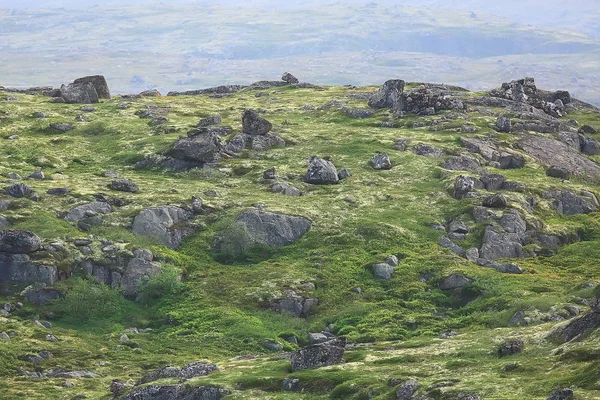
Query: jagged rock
(87, 210)
(454, 282)
(568, 203)
(561, 394)
(285, 188)
(343, 174)
(383, 271)
(117, 388)
(198, 149)
(150, 93)
(79, 93)
(4, 336)
(166, 224)
(18, 242)
(464, 185)
(492, 153)
(177, 392)
(256, 227)
(319, 355)
(39, 175)
(18, 268)
(62, 127)
(550, 152)
(388, 95)
(503, 124)
(321, 172)
(450, 245)
(254, 124)
(188, 371)
(513, 186)
(472, 254)
(209, 121)
(577, 327)
(381, 161)
(589, 146)
(392, 260)
(406, 390)
(513, 222)
(99, 83)
(292, 303)
(289, 78)
(18, 190)
(159, 121)
(123, 185)
(495, 201)
(428, 150)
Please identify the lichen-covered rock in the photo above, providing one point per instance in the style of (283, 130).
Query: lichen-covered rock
(319, 355)
(166, 224)
(198, 149)
(87, 210)
(388, 95)
(256, 227)
(289, 78)
(177, 392)
(381, 161)
(99, 83)
(79, 93)
(321, 172)
(511, 347)
(254, 124)
(19, 242)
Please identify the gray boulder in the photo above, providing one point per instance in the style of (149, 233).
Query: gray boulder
(381, 161)
(166, 224)
(256, 227)
(464, 185)
(254, 124)
(383, 271)
(285, 188)
(123, 185)
(199, 149)
(79, 93)
(209, 121)
(99, 83)
(450, 245)
(388, 95)
(455, 282)
(511, 347)
(18, 190)
(493, 181)
(503, 124)
(87, 210)
(505, 268)
(501, 245)
(289, 78)
(319, 355)
(577, 327)
(62, 127)
(495, 201)
(137, 274)
(321, 172)
(18, 242)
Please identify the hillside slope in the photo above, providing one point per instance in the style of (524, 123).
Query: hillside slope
(482, 227)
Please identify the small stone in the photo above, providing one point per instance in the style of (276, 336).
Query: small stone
(45, 354)
(51, 338)
(290, 385)
(511, 347)
(13, 137)
(4, 336)
(392, 260)
(124, 338)
(37, 175)
(39, 114)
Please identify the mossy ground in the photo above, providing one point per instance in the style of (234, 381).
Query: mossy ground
(214, 313)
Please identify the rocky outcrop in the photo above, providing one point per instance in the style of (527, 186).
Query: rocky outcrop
(551, 152)
(292, 303)
(388, 95)
(20, 268)
(165, 224)
(18, 242)
(79, 93)
(493, 154)
(256, 227)
(319, 355)
(289, 78)
(568, 203)
(188, 371)
(199, 149)
(255, 135)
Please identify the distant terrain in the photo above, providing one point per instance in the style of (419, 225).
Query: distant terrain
(183, 46)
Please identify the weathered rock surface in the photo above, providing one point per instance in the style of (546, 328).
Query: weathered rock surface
(177, 392)
(388, 95)
(18, 268)
(166, 224)
(254, 124)
(188, 371)
(99, 83)
(321, 172)
(257, 227)
(79, 93)
(551, 152)
(568, 203)
(198, 149)
(319, 355)
(381, 161)
(87, 210)
(18, 242)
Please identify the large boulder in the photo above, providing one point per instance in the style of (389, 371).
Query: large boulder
(18, 242)
(139, 270)
(388, 95)
(577, 327)
(321, 172)
(199, 149)
(79, 93)
(256, 227)
(501, 245)
(254, 124)
(166, 224)
(75, 214)
(319, 355)
(18, 268)
(289, 78)
(99, 83)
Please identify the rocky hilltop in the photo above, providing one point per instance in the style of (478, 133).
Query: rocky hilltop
(288, 240)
